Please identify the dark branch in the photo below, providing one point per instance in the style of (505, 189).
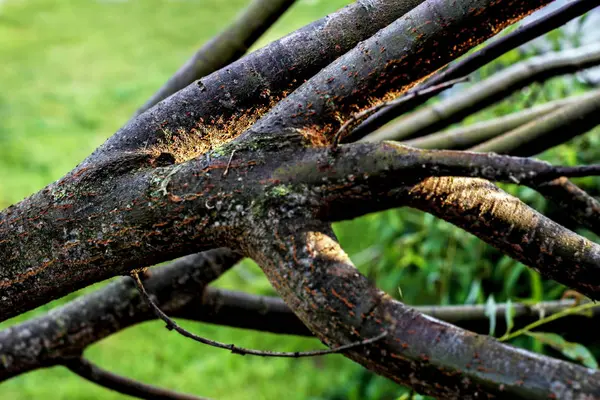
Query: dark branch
(404, 98)
(388, 64)
(482, 57)
(480, 95)
(109, 380)
(172, 325)
(229, 100)
(575, 202)
(225, 48)
(44, 341)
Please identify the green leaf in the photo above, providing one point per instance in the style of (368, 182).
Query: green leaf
(490, 312)
(473, 292)
(574, 351)
(508, 316)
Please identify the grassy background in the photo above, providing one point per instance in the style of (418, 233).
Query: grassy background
(73, 71)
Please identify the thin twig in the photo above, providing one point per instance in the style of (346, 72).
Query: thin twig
(172, 325)
(404, 98)
(228, 164)
(109, 380)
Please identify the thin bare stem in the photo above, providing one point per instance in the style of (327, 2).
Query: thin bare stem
(172, 325)
(130, 387)
(549, 130)
(464, 137)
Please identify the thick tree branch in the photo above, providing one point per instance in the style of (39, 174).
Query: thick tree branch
(44, 341)
(503, 221)
(317, 280)
(221, 105)
(109, 380)
(224, 48)
(480, 95)
(114, 218)
(480, 58)
(388, 64)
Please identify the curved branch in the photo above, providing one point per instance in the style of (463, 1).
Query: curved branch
(480, 58)
(316, 278)
(44, 341)
(109, 380)
(172, 325)
(480, 95)
(506, 223)
(223, 49)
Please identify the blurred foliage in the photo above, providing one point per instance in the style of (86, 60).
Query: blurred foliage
(73, 72)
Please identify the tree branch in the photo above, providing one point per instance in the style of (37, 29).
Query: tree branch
(506, 223)
(478, 59)
(440, 115)
(463, 137)
(553, 128)
(172, 325)
(223, 104)
(316, 278)
(388, 64)
(44, 341)
(224, 48)
(109, 380)
(372, 177)
(114, 218)
(574, 202)
(549, 130)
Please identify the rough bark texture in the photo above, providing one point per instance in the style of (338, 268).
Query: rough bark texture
(317, 280)
(269, 194)
(229, 100)
(389, 63)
